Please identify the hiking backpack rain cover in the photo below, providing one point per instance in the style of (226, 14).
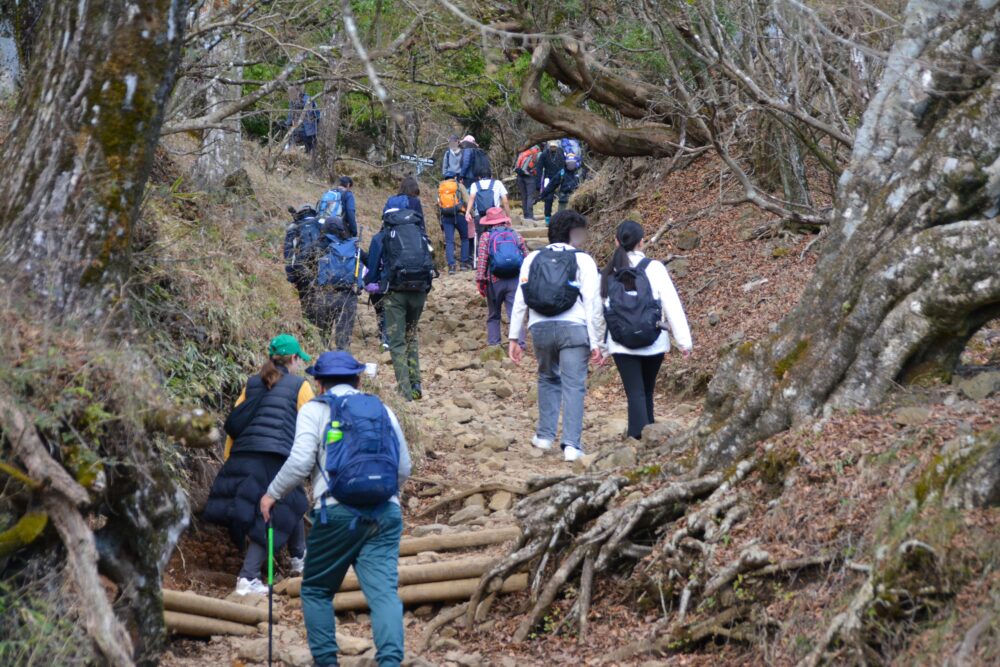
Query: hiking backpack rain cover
(632, 315)
(552, 287)
(527, 162)
(338, 267)
(332, 204)
(504, 253)
(407, 261)
(362, 467)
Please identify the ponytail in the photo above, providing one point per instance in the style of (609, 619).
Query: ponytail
(270, 372)
(629, 234)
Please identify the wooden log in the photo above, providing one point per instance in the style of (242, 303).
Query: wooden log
(200, 605)
(415, 574)
(438, 591)
(203, 626)
(415, 545)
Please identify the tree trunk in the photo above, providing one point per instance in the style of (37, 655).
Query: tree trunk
(10, 61)
(600, 134)
(74, 171)
(81, 147)
(222, 146)
(326, 152)
(909, 270)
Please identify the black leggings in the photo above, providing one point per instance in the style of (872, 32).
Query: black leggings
(639, 379)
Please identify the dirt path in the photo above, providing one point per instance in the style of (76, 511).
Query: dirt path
(473, 426)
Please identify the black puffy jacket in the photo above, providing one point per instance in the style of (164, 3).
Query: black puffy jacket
(272, 428)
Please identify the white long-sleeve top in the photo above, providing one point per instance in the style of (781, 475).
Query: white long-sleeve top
(309, 451)
(670, 304)
(587, 309)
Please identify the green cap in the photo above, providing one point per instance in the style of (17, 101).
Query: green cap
(285, 345)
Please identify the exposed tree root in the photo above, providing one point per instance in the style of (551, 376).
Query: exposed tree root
(62, 496)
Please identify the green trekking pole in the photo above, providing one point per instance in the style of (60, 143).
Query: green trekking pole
(270, 591)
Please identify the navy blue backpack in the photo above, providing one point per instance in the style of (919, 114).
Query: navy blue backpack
(362, 463)
(339, 266)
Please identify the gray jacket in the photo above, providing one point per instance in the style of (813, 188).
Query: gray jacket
(451, 164)
(309, 451)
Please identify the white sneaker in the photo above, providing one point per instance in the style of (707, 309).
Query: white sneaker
(250, 587)
(298, 565)
(571, 453)
(541, 443)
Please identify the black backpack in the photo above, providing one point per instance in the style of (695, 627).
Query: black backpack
(552, 287)
(632, 315)
(408, 265)
(480, 163)
(301, 239)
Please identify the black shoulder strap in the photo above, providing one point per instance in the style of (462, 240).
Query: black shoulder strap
(646, 261)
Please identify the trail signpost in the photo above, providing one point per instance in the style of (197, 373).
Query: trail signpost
(421, 162)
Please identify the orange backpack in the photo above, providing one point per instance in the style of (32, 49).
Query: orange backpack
(525, 165)
(450, 197)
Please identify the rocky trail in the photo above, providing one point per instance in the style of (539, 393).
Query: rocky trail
(471, 440)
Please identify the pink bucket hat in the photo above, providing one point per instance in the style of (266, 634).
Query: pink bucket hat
(494, 216)
(471, 139)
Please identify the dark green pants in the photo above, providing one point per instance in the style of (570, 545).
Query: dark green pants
(373, 550)
(402, 314)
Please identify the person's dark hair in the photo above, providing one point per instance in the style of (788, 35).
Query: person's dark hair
(629, 234)
(409, 187)
(270, 372)
(331, 381)
(484, 172)
(562, 223)
(346, 181)
(335, 225)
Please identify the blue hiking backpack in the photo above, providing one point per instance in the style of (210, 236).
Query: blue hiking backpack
(338, 267)
(484, 198)
(362, 451)
(300, 241)
(505, 256)
(332, 204)
(572, 154)
(396, 201)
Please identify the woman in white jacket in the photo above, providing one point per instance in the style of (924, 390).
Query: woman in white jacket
(638, 366)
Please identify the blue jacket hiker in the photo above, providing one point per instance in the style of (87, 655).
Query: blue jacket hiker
(355, 450)
(339, 202)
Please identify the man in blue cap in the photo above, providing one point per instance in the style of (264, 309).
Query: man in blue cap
(364, 532)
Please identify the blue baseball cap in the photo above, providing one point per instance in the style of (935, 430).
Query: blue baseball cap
(335, 364)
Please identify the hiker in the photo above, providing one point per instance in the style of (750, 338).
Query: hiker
(452, 199)
(526, 168)
(305, 107)
(638, 295)
(475, 161)
(339, 202)
(484, 194)
(304, 230)
(501, 253)
(560, 289)
(402, 269)
(451, 160)
(332, 303)
(559, 170)
(356, 519)
(408, 198)
(260, 430)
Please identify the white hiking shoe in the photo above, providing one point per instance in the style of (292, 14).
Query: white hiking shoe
(250, 587)
(541, 443)
(571, 453)
(298, 565)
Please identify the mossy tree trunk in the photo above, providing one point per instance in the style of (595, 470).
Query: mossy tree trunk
(909, 269)
(75, 167)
